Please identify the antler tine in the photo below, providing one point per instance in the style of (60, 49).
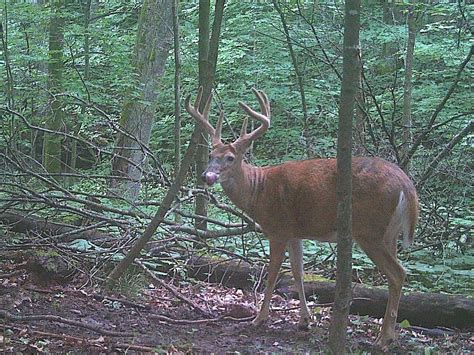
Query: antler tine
(243, 130)
(197, 102)
(263, 117)
(216, 138)
(264, 103)
(207, 107)
(202, 118)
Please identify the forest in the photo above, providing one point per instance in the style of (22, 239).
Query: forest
(110, 240)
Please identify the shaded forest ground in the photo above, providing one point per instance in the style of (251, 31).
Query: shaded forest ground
(70, 317)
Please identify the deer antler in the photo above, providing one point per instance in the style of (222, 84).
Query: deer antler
(246, 138)
(202, 118)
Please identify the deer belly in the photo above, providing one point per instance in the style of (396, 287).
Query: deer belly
(319, 225)
(330, 237)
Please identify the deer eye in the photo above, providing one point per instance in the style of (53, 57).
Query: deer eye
(229, 158)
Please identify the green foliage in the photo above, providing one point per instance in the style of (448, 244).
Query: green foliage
(130, 284)
(405, 324)
(451, 272)
(253, 53)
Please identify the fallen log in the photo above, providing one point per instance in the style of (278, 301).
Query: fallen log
(422, 309)
(419, 308)
(22, 223)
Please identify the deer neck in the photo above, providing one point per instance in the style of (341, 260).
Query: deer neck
(244, 186)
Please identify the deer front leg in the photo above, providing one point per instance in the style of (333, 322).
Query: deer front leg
(296, 258)
(277, 253)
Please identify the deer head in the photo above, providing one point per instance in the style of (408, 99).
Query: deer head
(226, 159)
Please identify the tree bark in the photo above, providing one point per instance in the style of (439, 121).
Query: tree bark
(408, 85)
(177, 88)
(337, 331)
(177, 93)
(208, 51)
(391, 16)
(52, 141)
(151, 51)
(10, 85)
(360, 112)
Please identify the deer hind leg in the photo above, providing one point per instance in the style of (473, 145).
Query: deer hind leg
(277, 253)
(384, 257)
(296, 258)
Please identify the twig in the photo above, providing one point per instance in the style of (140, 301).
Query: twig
(436, 332)
(84, 340)
(127, 346)
(213, 234)
(11, 274)
(51, 335)
(438, 109)
(95, 296)
(68, 135)
(51, 318)
(315, 305)
(172, 289)
(99, 297)
(446, 151)
(198, 321)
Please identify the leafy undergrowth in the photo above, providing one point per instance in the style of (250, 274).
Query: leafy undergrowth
(72, 318)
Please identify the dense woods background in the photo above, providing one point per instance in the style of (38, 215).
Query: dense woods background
(92, 132)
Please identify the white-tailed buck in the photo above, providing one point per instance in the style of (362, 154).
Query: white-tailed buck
(297, 200)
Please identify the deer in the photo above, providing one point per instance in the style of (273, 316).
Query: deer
(296, 200)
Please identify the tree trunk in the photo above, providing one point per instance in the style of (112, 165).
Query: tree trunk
(76, 123)
(177, 88)
(52, 141)
(151, 51)
(205, 77)
(391, 16)
(177, 93)
(337, 332)
(408, 85)
(10, 85)
(360, 113)
(208, 50)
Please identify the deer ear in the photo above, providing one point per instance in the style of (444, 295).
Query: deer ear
(241, 146)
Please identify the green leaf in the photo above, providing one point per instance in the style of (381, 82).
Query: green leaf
(405, 324)
(81, 245)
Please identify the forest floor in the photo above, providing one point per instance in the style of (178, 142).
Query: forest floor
(58, 317)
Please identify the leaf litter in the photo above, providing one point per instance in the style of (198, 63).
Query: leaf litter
(89, 319)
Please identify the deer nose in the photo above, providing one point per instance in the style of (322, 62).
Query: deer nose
(209, 177)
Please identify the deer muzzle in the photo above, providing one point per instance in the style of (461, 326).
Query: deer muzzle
(210, 177)
(211, 174)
